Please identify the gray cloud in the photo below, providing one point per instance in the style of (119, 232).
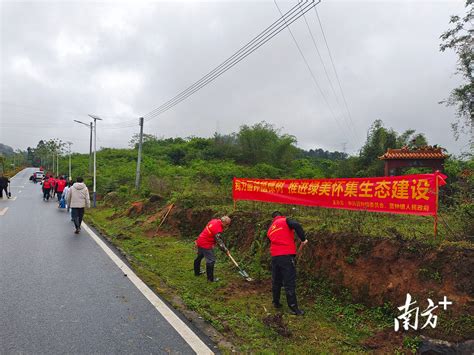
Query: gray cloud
(119, 60)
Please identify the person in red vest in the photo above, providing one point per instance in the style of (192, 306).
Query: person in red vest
(46, 188)
(205, 244)
(283, 252)
(60, 185)
(53, 185)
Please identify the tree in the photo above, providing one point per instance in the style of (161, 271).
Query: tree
(133, 143)
(411, 140)
(46, 151)
(262, 143)
(460, 38)
(379, 139)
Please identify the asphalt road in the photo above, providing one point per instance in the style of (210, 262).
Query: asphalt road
(60, 293)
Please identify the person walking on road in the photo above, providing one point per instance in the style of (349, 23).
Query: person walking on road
(46, 188)
(283, 252)
(4, 181)
(205, 244)
(78, 199)
(60, 185)
(65, 192)
(53, 181)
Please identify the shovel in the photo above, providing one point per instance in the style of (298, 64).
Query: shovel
(242, 272)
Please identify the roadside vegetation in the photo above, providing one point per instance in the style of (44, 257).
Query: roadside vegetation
(240, 310)
(193, 176)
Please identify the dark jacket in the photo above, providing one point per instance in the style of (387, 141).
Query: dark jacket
(4, 181)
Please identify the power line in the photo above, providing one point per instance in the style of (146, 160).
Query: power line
(327, 75)
(271, 31)
(254, 44)
(315, 81)
(223, 64)
(334, 67)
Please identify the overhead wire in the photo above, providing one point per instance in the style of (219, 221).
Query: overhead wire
(227, 61)
(271, 31)
(334, 68)
(328, 77)
(315, 81)
(292, 15)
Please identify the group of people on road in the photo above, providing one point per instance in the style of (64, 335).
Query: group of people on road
(53, 186)
(72, 196)
(282, 249)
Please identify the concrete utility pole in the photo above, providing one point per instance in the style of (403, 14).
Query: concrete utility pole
(90, 145)
(69, 150)
(140, 143)
(95, 118)
(90, 151)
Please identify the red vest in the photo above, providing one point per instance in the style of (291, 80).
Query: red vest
(60, 185)
(206, 239)
(46, 184)
(281, 237)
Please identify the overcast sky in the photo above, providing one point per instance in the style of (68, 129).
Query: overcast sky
(61, 60)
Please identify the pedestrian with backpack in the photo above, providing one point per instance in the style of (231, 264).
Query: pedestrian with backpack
(64, 195)
(60, 185)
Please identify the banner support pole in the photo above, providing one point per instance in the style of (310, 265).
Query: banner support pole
(436, 206)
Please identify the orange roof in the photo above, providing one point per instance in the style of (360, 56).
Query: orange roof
(422, 153)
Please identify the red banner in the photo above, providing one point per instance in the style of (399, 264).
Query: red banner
(408, 194)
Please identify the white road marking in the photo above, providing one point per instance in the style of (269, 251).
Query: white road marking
(3, 211)
(17, 174)
(186, 333)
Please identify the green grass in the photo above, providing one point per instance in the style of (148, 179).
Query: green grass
(238, 309)
(451, 228)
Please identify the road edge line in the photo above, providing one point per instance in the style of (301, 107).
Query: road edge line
(183, 330)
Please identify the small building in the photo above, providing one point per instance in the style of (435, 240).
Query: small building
(423, 157)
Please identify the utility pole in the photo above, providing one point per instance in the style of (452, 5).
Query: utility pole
(69, 176)
(90, 145)
(57, 163)
(140, 143)
(90, 152)
(95, 118)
